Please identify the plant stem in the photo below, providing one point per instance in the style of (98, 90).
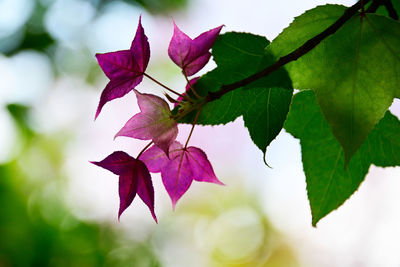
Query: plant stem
(294, 55)
(190, 85)
(146, 147)
(162, 85)
(191, 130)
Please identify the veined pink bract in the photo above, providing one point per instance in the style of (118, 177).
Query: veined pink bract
(191, 55)
(134, 177)
(124, 68)
(179, 170)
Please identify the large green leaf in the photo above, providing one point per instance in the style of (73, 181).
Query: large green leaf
(355, 72)
(263, 104)
(329, 184)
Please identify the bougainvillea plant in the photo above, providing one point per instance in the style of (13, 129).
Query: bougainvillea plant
(345, 62)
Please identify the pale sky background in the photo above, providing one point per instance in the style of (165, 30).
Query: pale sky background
(363, 232)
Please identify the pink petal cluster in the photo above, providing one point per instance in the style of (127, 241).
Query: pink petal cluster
(191, 55)
(124, 68)
(178, 165)
(154, 122)
(179, 170)
(134, 177)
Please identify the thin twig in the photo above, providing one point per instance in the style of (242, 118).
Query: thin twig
(191, 130)
(302, 50)
(191, 86)
(146, 147)
(162, 85)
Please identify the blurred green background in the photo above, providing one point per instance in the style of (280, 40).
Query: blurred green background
(47, 60)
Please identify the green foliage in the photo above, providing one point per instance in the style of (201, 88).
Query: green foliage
(37, 228)
(329, 184)
(263, 104)
(237, 55)
(20, 114)
(353, 72)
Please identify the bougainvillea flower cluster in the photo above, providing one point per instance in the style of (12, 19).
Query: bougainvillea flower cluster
(178, 164)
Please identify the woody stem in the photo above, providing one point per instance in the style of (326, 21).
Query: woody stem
(294, 55)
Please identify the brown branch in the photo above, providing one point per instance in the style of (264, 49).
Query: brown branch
(374, 6)
(387, 4)
(302, 50)
(390, 8)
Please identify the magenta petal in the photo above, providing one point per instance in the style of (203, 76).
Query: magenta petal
(191, 55)
(118, 162)
(162, 131)
(127, 191)
(197, 64)
(124, 68)
(145, 188)
(155, 158)
(151, 104)
(140, 47)
(201, 167)
(116, 89)
(166, 138)
(179, 47)
(176, 177)
(203, 43)
(153, 122)
(118, 65)
(134, 177)
(139, 126)
(180, 169)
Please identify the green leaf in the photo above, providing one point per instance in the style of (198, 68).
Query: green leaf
(383, 143)
(383, 11)
(353, 72)
(265, 114)
(303, 28)
(220, 111)
(329, 184)
(264, 104)
(237, 55)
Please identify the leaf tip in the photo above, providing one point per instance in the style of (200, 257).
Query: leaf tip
(174, 201)
(315, 221)
(218, 182)
(265, 160)
(154, 217)
(119, 215)
(97, 113)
